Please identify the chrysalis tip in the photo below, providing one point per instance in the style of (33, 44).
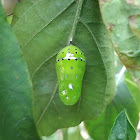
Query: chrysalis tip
(71, 43)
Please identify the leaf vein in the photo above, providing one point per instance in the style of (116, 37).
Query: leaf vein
(44, 111)
(49, 23)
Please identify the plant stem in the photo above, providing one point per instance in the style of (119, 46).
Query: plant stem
(77, 15)
(65, 133)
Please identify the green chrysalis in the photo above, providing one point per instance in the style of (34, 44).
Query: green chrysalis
(70, 68)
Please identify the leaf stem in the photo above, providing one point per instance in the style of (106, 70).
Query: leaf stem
(65, 133)
(130, 82)
(77, 15)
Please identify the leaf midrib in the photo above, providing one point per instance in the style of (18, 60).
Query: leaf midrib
(63, 10)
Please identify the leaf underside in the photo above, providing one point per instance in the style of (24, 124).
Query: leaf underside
(42, 32)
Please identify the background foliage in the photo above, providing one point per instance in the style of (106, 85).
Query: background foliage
(16, 121)
(42, 28)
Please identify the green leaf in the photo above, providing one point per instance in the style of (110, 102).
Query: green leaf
(121, 19)
(122, 128)
(16, 120)
(9, 19)
(133, 88)
(43, 28)
(99, 129)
